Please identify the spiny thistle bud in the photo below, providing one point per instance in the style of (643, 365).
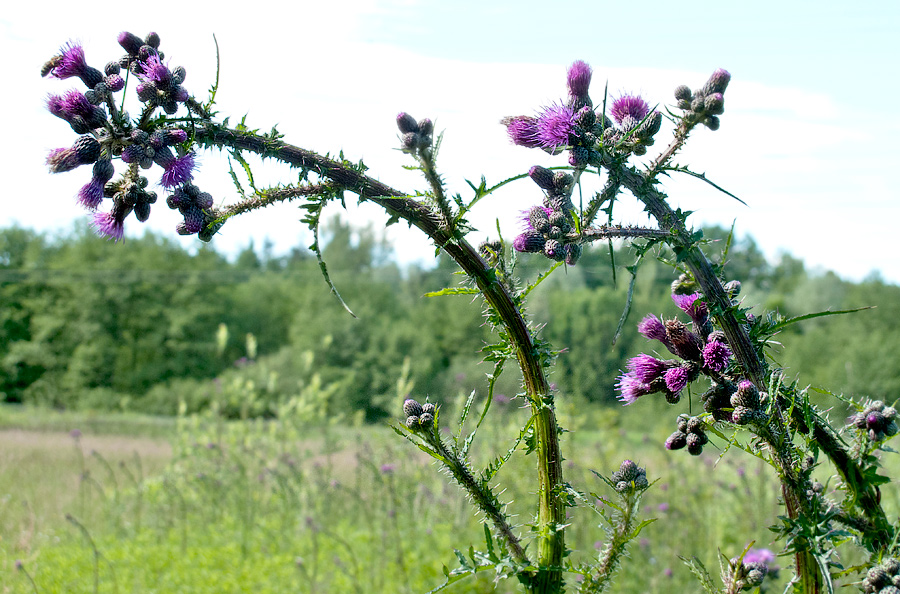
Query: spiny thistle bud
(683, 93)
(717, 399)
(685, 342)
(406, 123)
(130, 42)
(554, 250)
(429, 407)
(747, 395)
(542, 176)
(539, 219)
(426, 420)
(714, 104)
(716, 335)
(411, 408)
(742, 415)
(733, 288)
(531, 241)
(629, 478)
(717, 83)
(676, 441)
(85, 150)
(573, 253)
(712, 122)
(562, 181)
(695, 443)
(412, 422)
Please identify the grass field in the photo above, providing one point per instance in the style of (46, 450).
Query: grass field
(129, 504)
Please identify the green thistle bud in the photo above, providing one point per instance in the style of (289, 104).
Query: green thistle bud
(412, 423)
(683, 93)
(426, 420)
(411, 408)
(695, 442)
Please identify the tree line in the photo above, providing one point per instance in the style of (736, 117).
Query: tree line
(149, 326)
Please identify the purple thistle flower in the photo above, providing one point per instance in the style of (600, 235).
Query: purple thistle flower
(693, 306)
(652, 328)
(554, 125)
(629, 105)
(91, 194)
(578, 79)
(71, 62)
(108, 225)
(631, 388)
(522, 130)
(716, 355)
(179, 171)
(764, 556)
(85, 150)
(646, 368)
(156, 72)
(676, 379)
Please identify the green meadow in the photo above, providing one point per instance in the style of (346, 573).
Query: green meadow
(124, 503)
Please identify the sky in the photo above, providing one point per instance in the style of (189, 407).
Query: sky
(807, 139)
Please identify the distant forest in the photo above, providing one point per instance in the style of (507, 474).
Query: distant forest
(148, 326)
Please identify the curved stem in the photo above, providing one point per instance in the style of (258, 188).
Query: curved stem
(551, 505)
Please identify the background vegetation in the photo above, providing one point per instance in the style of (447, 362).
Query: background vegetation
(149, 327)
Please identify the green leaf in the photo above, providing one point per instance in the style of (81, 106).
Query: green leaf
(453, 291)
(788, 321)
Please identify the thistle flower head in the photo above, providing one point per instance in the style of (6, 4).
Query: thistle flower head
(71, 62)
(631, 388)
(109, 225)
(629, 106)
(179, 171)
(652, 328)
(522, 130)
(578, 79)
(676, 379)
(647, 369)
(693, 306)
(716, 355)
(554, 125)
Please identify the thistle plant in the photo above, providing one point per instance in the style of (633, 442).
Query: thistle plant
(717, 344)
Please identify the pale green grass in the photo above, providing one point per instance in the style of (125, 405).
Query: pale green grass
(275, 507)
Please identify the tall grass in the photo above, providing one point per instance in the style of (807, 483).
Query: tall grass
(277, 506)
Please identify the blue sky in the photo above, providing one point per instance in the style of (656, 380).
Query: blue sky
(807, 139)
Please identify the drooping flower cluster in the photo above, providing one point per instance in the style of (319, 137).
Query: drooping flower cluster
(691, 433)
(706, 104)
(883, 578)
(197, 208)
(107, 134)
(159, 85)
(547, 227)
(419, 417)
(877, 420)
(701, 350)
(629, 478)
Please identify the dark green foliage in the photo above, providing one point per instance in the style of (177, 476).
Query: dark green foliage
(86, 324)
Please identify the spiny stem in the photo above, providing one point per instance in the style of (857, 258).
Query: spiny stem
(551, 505)
(484, 502)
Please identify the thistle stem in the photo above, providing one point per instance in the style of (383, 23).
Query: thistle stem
(551, 505)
